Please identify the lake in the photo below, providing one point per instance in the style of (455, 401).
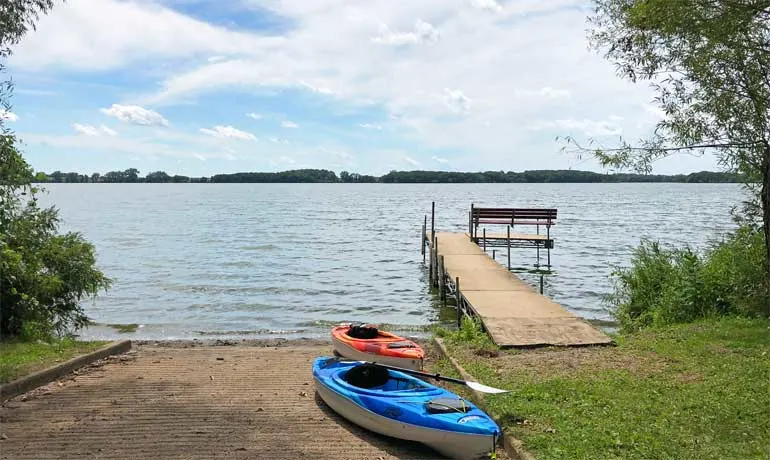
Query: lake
(290, 260)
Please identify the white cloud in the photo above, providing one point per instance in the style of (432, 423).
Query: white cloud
(108, 130)
(654, 110)
(411, 161)
(546, 92)
(104, 34)
(90, 130)
(277, 140)
(609, 127)
(456, 100)
(527, 62)
(255, 116)
(184, 147)
(136, 115)
(229, 132)
(423, 32)
(6, 115)
(336, 153)
(490, 5)
(316, 89)
(289, 124)
(370, 126)
(439, 159)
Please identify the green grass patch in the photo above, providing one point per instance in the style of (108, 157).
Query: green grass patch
(18, 359)
(695, 390)
(469, 334)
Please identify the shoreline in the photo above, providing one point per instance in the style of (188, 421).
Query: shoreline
(257, 343)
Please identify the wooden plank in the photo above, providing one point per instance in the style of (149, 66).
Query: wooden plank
(487, 280)
(458, 243)
(529, 332)
(513, 312)
(521, 303)
(516, 236)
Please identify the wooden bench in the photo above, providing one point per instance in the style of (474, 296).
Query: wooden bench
(511, 216)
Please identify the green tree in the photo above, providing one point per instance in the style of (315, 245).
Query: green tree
(157, 176)
(131, 175)
(43, 275)
(709, 63)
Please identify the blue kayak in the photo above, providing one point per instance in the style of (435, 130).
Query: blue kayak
(399, 405)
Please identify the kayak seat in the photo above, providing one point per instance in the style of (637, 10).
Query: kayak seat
(363, 332)
(447, 405)
(367, 376)
(402, 344)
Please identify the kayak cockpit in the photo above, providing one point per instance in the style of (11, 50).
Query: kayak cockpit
(375, 380)
(368, 376)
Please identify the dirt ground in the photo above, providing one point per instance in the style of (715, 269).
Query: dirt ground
(188, 401)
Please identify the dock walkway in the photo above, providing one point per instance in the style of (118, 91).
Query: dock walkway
(513, 313)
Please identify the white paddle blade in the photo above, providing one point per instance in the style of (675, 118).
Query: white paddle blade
(485, 389)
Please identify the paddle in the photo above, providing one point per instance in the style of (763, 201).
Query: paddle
(469, 383)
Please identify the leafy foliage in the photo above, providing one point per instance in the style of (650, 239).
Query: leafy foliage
(43, 274)
(709, 62)
(667, 285)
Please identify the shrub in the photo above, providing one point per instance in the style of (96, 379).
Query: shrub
(666, 285)
(43, 274)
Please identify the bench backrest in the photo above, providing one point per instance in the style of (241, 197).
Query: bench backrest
(513, 216)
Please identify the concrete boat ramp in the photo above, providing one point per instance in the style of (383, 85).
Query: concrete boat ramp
(200, 402)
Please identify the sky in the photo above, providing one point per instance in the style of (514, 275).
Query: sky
(202, 87)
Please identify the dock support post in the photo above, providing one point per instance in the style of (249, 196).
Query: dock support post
(435, 260)
(441, 283)
(432, 220)
(470, 223)
(548, 236)
(459, 299)
(423, 237)
(493, 254)
(430, 264)
(541, 284)
(508, 243)
(484, 232)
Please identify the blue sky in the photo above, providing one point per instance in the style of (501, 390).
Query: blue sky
(201, 87)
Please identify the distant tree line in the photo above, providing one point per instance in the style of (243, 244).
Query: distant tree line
(439, 177)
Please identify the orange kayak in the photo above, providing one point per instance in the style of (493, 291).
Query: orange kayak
(367, 343)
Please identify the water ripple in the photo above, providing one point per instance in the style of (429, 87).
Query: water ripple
(197, 260)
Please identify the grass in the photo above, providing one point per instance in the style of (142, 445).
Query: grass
(18, 359)
(698, 390)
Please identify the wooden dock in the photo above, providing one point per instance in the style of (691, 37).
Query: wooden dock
(512, 312)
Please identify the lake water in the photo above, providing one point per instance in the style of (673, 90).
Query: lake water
(289, 260)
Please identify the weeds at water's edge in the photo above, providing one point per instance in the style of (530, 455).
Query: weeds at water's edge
(471, 334)
(124, 328)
